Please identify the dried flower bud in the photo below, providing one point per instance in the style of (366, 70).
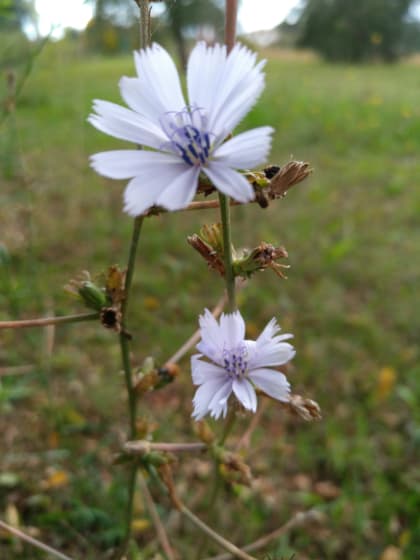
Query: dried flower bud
(144, 427)
(233, 468)
(213, 235)
(306, 409)
(214, 260)
(271, 171)
(209, 243)
(261, 257)
(145, 382)
(290, 174)
(151, 378)
(204, 432)
(166, 374)
(115, 285)
(111, 318)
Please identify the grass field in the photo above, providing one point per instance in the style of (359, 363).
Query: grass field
(351, 299)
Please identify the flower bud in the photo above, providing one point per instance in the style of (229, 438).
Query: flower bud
(166, 375)
(233, 468)
(307, 409)
(209, 243)
(261, 257)
(151, 378)
(92, 296)
(204, 432)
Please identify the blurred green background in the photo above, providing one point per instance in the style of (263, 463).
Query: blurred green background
(352, 232)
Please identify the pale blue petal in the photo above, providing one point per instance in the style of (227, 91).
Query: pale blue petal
(232, 328)
(202, 371)
(125, 124)
(246, 150)
(159, 76)
(212, 341)
(271, 382)
(218, 404)
(245, 393)
(124, 164)
(179, 192)
(229, 182)
(204, 395)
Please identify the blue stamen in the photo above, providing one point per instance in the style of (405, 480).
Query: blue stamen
(235, 362)
(190, 142)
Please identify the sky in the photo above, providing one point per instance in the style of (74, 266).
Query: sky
(254, 15)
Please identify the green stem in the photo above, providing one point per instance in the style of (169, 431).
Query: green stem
(125, 355)
(228, 426)
(124, 340)
(227, 251)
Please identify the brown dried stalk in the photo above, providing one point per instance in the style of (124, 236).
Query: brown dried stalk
(45, 321)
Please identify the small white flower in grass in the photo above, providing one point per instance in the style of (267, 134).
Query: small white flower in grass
(185, 138)
(237, 365)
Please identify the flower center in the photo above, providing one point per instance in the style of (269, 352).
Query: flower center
(235, 361)
(188, 135)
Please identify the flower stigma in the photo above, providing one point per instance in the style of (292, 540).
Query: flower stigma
(188, 135)
(235, 361)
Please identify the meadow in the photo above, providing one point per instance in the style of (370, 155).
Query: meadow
(351, 300)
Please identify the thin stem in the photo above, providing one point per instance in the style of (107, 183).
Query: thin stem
(128, 374)
(124, 340)
(228, 426)
(154, 514)
(16, 370)
(227, 545)
(34, 542)
(230, 32)
(230, 23)
(138, 222)
(144, 23)
(141, 447)
(45, 321)
(217, 480)
(246, 437)
(296, 521)
(227, 252)
(210, 204)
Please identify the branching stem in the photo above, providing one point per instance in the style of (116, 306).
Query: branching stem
(227, 545)
(298, 520)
